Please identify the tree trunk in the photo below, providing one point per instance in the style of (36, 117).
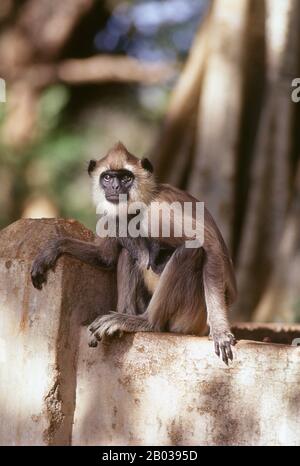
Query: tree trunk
(281, 298)
(219, 113)
(233, 141)
(270, 185)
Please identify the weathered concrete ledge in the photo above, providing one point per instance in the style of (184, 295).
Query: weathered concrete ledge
(149, 389)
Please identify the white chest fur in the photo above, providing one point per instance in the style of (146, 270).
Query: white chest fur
(150, 278)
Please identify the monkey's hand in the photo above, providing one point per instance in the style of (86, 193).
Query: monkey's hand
(223, 341)
(45, 261)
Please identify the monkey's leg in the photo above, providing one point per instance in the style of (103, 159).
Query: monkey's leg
(181, 308)
(133, 296)
(199, 292)
(131, 292)
(90, 253)
(178, 302)
(171, 307)
(133, 299)
(214, 290)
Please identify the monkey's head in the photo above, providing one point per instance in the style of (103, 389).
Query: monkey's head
(121, 173)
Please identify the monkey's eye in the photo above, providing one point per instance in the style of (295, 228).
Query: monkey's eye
(126, 179)
(106, 177)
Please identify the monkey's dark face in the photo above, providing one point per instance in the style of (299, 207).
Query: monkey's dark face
(116, 182)
(120, 173)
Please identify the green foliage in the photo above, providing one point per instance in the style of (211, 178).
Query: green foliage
(51, 105)
(50, 166)
(54, 166)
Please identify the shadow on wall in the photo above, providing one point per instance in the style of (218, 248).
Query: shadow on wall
(164, 389)
(155, 389)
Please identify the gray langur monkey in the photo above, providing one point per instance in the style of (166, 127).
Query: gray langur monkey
(162, 285)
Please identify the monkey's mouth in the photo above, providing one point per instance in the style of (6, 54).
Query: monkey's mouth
(114, 198)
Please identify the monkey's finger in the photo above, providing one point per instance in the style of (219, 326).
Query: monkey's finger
(97, 335)
(35, 283)
(33, 278)
(224, 354)
(217, 348)
(229, 351)
(233, 341)
(95, 324)
(93, 343)
(91, 328)
(37, 280)
(99, 322)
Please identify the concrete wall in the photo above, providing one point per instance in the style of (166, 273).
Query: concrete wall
(171, 390)
(39, 333)
(146, 389)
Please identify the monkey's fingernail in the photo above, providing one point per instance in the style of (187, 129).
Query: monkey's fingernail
(229, 351)
(217, 349)
(224, 355)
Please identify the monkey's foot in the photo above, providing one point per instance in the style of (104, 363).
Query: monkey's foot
(223, 342)
(104, 326)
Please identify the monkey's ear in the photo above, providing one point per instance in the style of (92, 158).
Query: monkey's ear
(91, 166)
(147, 165)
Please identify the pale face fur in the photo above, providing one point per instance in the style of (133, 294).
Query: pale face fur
(142, 189)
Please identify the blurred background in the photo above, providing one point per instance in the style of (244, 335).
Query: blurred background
(202, 87)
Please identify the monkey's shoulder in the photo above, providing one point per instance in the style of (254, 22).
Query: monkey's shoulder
(169, 193)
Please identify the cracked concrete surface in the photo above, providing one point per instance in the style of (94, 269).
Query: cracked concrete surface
(149, 389)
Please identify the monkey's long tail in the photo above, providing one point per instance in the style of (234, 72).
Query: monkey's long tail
(116, 322)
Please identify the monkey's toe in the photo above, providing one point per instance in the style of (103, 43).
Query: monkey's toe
(223, 343)
(93, 342)
(103, 326)
(96, 324)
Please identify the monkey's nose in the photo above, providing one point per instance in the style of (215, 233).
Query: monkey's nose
(116, 186)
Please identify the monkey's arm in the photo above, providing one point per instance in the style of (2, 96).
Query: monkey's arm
(103, 253)
(216, 306)
(218, 281)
